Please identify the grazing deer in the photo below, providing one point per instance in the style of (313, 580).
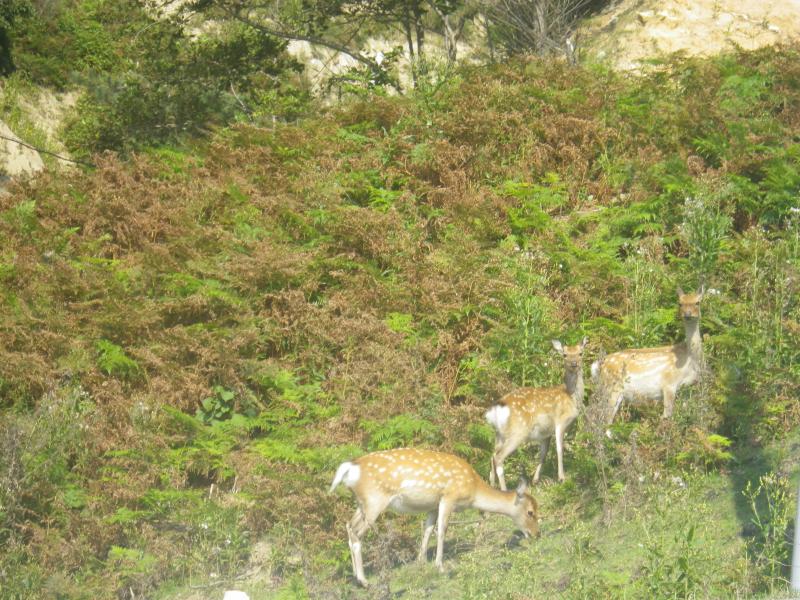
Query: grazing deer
(654, 373)
(423, 481)
(538, 414)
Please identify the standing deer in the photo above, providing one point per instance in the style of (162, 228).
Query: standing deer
(538, 414)
(423, 481)
(654, 373)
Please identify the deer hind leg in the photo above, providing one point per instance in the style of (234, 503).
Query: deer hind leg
(500, 454)
(492, 471)
(499, 442)
(669, 402)
(544, 446)
(430, 522)
(445, 509)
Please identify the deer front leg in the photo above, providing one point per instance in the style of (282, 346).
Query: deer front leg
(356, 527)
(445, 509)
(500, 454)
(497, 467)
(615, 401)
(364, 517)
(544, 446)
(426, 536)
(560, 451)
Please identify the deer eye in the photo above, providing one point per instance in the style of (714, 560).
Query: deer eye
(530, 513)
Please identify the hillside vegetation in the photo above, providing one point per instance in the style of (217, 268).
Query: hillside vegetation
(193, 338)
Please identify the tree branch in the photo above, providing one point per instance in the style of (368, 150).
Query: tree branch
(311, 39)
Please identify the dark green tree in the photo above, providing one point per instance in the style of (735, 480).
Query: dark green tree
(10, 11)
(166, 82)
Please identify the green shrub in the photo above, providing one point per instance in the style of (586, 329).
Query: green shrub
(705, 228)
(175, 84)
(536, 202)
(113, 361)
(675, 573)
(217, 407)
(401, 430)
(770, 503)
(705, 450)
(41, 451)
(22, 217)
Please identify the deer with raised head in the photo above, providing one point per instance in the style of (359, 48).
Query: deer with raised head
(654, 373)
(423, 481)
(538, 415)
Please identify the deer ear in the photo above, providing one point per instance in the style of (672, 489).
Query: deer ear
(521, 489)
(584, 342)
(680, 291)
(557, 346)
(701, 291)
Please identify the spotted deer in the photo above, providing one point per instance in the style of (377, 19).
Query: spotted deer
(538, 414)
(409, 480)
(654, 373)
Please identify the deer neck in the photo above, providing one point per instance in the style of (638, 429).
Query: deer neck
(573, 381)
(694, 341)
(488, 499)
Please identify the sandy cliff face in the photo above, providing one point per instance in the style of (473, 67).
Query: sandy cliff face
(16, 159)
(43, 111)
(631, 31)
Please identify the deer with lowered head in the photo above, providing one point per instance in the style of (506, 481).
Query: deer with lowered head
(654, 373)
(538, 414)
(409, 480)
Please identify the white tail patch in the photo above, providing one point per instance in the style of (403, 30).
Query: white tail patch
(595, 370)
(348, 472)
(498, 416)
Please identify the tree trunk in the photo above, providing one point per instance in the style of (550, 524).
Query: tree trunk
(419, 29)
(541, 24)
(451, 34)
(6, 59)
(410, 42)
